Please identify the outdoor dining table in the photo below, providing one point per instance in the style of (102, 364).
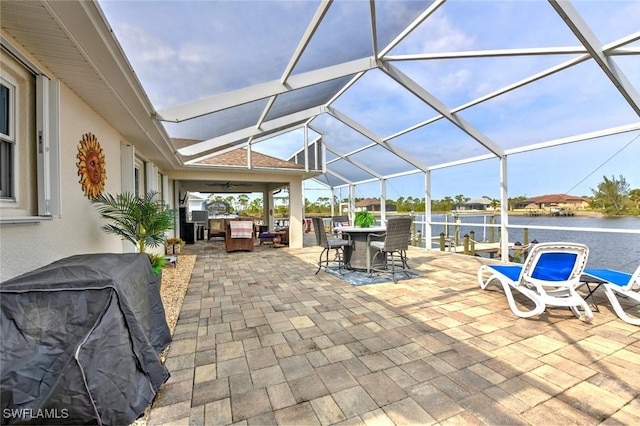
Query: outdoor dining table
(358, 256)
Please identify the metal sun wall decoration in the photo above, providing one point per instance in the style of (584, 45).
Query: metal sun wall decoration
(91, 166)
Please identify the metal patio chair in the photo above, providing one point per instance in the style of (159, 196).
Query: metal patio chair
(328, 244)
(393, 249)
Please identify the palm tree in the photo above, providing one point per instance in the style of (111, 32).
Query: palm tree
(230, 200)
(447, 204)
(461, 199)
(243, 202)
(139, 220)
(256, 206)
(612, 194)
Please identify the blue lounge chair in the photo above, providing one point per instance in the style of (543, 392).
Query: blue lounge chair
(549, 277)
(616, 282)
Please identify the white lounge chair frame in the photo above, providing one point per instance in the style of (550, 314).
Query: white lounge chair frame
(543, 292)
(630, 289)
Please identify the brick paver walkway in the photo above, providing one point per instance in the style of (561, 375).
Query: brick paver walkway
(262, 340)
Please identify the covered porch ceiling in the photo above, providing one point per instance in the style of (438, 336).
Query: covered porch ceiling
(230, 186)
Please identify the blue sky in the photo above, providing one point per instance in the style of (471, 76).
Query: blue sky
(185, 51)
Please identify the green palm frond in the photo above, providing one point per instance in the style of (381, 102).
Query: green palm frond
(140, 220)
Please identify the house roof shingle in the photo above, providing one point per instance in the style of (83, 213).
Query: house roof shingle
(483, 200)
(555, 198)
(367, 202)
(238, 157)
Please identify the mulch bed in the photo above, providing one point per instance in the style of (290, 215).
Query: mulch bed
(175, 281)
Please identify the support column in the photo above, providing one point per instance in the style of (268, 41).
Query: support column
(504, 211)
(268, 209)
(296, 214)
(352, 203)
(383, 201)
(427, 209)
(332, 202)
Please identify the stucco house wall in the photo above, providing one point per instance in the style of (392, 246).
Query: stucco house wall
(24, 247)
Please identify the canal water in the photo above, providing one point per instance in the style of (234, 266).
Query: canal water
(620, 251)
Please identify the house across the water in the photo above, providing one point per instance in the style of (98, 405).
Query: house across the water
(373, 205)
(482, 203)
(553, 203)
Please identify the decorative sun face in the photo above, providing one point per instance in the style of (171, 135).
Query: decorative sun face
(91, 166)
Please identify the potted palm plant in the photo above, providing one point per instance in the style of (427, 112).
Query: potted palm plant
(174, 245)
(142, 221)
(364, 219)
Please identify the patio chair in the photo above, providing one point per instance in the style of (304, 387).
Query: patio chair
(216, 228)
(338, 221)
(549, 277)
(328, 244)
(239, 236)
(618, 283)
(393, 248)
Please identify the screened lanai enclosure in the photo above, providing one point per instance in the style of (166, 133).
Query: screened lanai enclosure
(397, 98)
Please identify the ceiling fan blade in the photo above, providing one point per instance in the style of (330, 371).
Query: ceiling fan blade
(229, 185)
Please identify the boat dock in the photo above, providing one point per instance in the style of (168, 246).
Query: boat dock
(477, 248)
(552, 212)
(472, 247)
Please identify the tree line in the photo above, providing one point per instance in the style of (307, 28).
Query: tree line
(612, 196)
(243, 205)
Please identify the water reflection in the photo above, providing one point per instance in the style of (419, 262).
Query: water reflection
(606, 250)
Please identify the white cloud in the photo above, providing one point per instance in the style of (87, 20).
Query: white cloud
(437, 34)
(142, 47)
(196, 53)
(454, 81)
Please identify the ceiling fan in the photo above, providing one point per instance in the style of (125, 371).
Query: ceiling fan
(227, 186)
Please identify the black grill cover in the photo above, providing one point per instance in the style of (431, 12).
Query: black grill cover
(80, 341)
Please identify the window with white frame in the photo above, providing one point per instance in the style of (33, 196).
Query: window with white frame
(29, 140)
(7, 137)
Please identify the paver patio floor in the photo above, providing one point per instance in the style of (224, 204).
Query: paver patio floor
(263, 340)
